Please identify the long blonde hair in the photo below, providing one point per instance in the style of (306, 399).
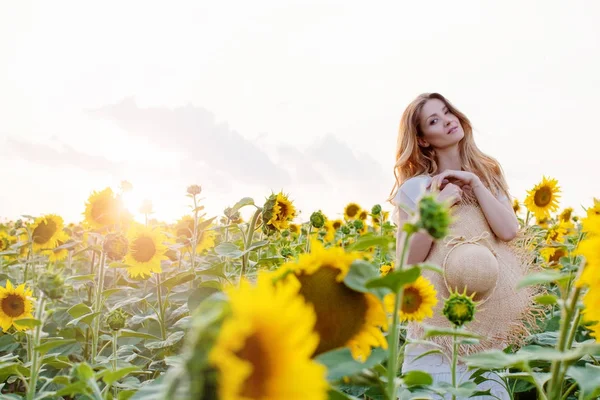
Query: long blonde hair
(413, 160)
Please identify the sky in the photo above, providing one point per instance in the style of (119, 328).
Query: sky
(249, 98)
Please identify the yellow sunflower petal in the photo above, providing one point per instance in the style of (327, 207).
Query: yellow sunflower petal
(543, 198)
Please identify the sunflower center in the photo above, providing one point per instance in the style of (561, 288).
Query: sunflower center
(460, 309)
(411, 300)
(283, 210)
(13, 305)
(341, 312)
(3, 244)
(543, 196)
(256, 353)
(143, 249)
(44, 231)
(352, 210)
(555, 258)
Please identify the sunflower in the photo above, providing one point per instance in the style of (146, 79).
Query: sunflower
(104, 209)
(294, 228)
(376, 218)
(351, 211)
(55, 255)
(345, 317)
(552, 255)
(337, 224)
(146, 250)
(556, 233)
(329, 231)
(566, 214)
(591, 304)
(277, 213)
(184, 231)
(15, 303)
(386, 268)
(595, 331)
(543, 198)
(5, 241)
(264, 347)
(363, 215)
(516, 206)
(417, 302)
(588, 248)
(45, 232)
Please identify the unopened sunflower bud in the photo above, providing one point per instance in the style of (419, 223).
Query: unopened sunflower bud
(358, 224)
(304, 230)
(115, 246)
(116, 319)
(286, 252)
(345, 229)
(317, 219)
(434, 217)
(459, 308)
(194, 190)
(376, 210)
(285, 233)
(52, 284)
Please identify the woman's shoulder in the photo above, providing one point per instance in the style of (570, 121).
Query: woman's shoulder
(412, 188)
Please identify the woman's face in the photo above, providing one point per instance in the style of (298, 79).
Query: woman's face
(440, 127)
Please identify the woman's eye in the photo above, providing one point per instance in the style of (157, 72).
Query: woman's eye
(433, 121)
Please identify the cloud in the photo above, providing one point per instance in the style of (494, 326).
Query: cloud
(194, 132)
(63, 155)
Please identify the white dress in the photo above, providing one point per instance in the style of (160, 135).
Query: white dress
(436, 364)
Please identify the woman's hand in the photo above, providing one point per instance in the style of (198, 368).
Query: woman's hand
(465, 180)
(452, 193)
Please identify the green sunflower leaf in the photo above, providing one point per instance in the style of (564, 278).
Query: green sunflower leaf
(541, 278)
(414, 378)
(340, 363)
(359, 274)
(178, 279)
(588, 378)
(228, 249)
(370, 240)
(396, 279)
(335, 394)
(246, 201)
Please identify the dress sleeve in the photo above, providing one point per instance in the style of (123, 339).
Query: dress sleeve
(408, 196)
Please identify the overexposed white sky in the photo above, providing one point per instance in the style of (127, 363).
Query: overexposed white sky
(248, 97)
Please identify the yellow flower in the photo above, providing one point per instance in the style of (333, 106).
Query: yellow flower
(264, 347)
(362, 215)
(591, 223)
(591, 305)
(376, 219)
(15, 303)
(417, 302)
(294, 228)
(552, 255)
(146, 250)
(351, 211)
(595, 331)
(588, 248)
(330, 235)
(184, 230)
(565, 215)
(556, 233)
(516, 206)
(543, 198)
(278, 211)
(386, 268)
(55, 255)
(345, 317)
(46, 231)
(337, 224)
(103, 209)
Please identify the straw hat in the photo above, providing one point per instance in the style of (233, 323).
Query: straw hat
(472, 257)
(471, 265)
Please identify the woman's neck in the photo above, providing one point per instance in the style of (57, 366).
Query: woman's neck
(448, 158)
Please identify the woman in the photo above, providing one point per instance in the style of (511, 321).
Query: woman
(436, 153)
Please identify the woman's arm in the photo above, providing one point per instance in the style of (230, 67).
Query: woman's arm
(499, 214)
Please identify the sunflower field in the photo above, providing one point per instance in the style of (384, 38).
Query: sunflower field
(218, 307)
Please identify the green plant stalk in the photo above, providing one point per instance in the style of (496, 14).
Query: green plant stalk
(161, 309)
(454, 360)
(248, 243)
(308, 238)
(555, 386)
(540, 389)
(35, 359)
(195, 235)
(393, 336)
(115, 335)
(97, 308)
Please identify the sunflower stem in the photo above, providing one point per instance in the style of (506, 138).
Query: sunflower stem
(195, 235)
(161, 310)
(454, 359)
(308, 238)
(393, 336)
(97, 308)
(555, 384)
(248, 243)
(39, 313)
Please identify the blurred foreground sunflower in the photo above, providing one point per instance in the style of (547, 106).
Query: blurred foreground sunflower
(146, 251)
(543, 198)
(264, 347)
(418, 300)
(15, 303)
(345, 317)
